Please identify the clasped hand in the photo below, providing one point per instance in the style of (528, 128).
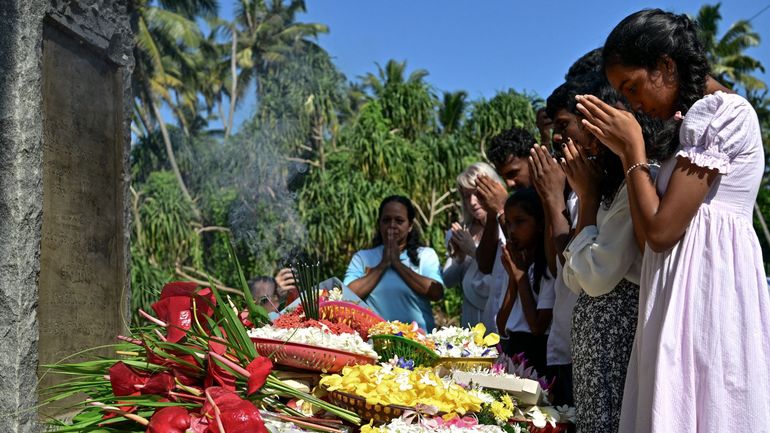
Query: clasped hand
(582, 173)
(461, 243)
(547, 175)
(615, 128)
(391, 253)
(516, 263)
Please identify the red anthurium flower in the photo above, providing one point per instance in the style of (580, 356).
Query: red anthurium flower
(171, 419)
(218, 376)
(216, 344)
(123, 378)
(259, 368)
(178, 288)
(236, 414)
(175, 308)
(159, 384)
(176, 311)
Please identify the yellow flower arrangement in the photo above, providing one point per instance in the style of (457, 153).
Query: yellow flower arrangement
(410, 331)
(386, 384)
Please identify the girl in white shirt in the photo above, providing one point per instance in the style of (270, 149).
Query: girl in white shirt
(602, 264)
(525, 312)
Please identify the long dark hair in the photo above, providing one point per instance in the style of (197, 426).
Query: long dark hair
(413, 239)
(640, 40)
(528, 200)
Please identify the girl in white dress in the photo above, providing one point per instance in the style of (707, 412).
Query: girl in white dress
(701, 353)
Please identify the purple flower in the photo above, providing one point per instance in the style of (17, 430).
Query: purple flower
(407, 364)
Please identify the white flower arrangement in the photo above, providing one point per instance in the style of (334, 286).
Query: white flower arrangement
(348, 342)
(455, 342)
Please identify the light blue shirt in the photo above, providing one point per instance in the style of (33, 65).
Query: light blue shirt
(392, 298)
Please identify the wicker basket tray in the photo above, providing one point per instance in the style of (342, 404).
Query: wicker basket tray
(465, 364)
(308, 357)
(388, 346)
(358, 318)
(380, 413)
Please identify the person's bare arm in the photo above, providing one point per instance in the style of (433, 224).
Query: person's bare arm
(363, 286)
(423, 286)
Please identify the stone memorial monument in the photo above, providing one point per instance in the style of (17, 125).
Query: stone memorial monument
(65, 112)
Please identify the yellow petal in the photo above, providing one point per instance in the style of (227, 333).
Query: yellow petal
(491, 339)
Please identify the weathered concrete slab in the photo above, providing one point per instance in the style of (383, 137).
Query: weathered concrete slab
(65, 107)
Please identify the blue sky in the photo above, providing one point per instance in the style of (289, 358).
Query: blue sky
(486, 46)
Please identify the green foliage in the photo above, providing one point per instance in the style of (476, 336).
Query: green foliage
(309, 170)
(146, 281)
(504, 111)
(163, 238)
(408, 104)
(167, 234)
(339, 203)
(452, 304)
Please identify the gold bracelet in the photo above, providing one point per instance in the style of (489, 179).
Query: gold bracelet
(635, 166)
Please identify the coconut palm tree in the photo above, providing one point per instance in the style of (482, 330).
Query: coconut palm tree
(268, 33)
(165, 53)
(729, 63)
(452, 111)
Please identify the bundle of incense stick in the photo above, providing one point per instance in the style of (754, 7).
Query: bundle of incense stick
(308, 277)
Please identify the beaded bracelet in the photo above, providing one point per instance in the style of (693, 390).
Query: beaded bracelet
(635, 166)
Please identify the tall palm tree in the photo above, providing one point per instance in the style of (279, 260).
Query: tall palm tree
(452, 111)
(391, 75)
(729, 63)
(268, 33)
(167, 36)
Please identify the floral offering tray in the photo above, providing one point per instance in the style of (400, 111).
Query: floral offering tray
(308, 357)
(390, 346)
(358, 318)
(378, 412)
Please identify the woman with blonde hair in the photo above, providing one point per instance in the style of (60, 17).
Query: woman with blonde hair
(462, 239)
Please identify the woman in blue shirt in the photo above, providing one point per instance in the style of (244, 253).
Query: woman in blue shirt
(399, 277)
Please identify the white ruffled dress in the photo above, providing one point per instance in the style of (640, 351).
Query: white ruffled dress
(701, 355)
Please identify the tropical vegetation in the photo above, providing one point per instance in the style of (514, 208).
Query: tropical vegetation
(305, 173)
